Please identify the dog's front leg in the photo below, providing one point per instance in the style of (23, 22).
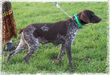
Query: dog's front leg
(61, 54)
(69, 53)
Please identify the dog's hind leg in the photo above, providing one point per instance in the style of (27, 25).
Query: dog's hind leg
(19, 48)
(29, 54)
(33, 44)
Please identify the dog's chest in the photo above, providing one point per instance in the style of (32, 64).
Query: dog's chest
(72, 32)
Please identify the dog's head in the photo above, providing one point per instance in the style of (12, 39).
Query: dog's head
(88, 16)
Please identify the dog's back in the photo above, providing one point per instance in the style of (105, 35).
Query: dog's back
(48, 31)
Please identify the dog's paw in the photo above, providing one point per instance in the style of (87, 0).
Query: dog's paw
(26, 60)
(10, 55)
(56, 61)
(71, 68)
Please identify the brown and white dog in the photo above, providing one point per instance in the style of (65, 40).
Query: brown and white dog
(62, 32)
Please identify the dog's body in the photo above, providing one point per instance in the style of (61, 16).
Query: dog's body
(62, 32)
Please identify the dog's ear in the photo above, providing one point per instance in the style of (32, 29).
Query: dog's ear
(84, 17)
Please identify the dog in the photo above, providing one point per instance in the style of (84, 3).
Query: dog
(62, 32)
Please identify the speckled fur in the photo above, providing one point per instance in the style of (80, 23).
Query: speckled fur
(62, 32)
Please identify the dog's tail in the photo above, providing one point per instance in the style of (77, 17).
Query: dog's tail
(21, 31)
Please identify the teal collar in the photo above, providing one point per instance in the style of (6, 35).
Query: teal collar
(78, 22)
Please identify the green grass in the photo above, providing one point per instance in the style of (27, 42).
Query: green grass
(89, 50)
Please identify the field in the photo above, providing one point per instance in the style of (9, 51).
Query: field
(89, 51)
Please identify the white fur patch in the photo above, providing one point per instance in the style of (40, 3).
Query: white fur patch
(44, 28)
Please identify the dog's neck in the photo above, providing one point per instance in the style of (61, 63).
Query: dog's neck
(82, 22)
(76, 18)
(73, 24)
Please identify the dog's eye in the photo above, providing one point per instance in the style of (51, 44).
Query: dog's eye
(92, 15)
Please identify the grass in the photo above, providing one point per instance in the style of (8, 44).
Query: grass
(89, 50)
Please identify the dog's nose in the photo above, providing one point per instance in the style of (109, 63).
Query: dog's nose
(99, 19)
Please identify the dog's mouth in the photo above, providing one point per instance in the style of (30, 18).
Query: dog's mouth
(96, 20)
